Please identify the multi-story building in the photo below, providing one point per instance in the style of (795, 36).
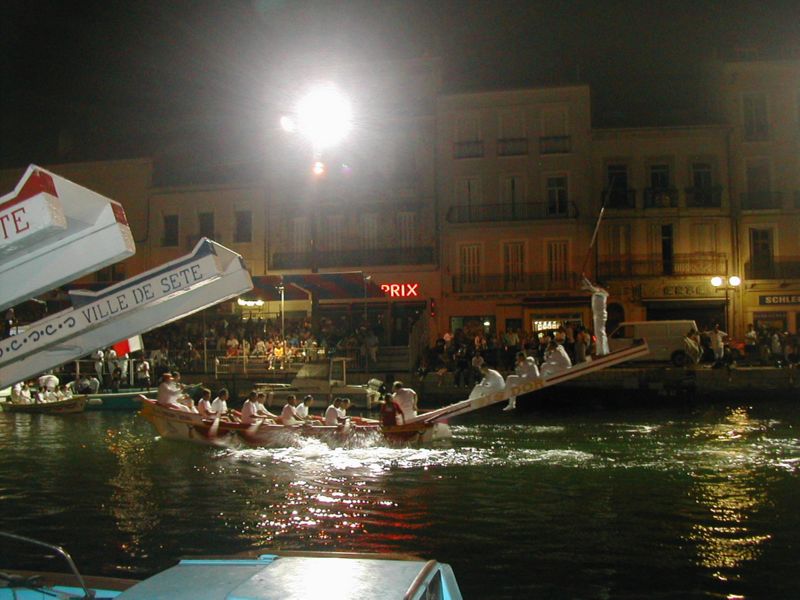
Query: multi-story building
(666, 226)
(514, 193)
(761, 102)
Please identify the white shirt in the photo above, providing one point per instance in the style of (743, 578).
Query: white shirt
(169, 393)
(717, 338)
(289, 415)
(301, 410)
(219, 406)
(249, 411)
(492, 382)
(556, 360)
(204, 406)
(331, 415)
(406, 399)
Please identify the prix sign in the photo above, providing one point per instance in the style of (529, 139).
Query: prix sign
(401, 290)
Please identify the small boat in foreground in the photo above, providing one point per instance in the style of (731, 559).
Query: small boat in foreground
(299, 575)
(75, 404)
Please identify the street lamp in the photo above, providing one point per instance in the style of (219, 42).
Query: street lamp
(366, 278)
(727, 284)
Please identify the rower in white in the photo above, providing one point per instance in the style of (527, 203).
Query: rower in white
(599, 314)
(492, 382)
(289, 414)
(170, 393)
(556, 360)
(406, 399)
(525, 369)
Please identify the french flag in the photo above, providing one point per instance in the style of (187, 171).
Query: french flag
(127, 346)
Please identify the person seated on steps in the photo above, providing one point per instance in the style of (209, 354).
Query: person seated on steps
(525, 369)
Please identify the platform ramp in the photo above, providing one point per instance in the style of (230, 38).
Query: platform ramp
(207, 276)
(53, 231)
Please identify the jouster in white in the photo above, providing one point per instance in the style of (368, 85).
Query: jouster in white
(53, 231)
(492, 382)
(406, 400)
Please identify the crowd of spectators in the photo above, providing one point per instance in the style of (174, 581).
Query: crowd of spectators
(463, 351)
(187, 344)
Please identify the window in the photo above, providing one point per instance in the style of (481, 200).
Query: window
(557, 198)
(557, 261)
(407, 229)
(659, 177)
(617, 260)
(701, 176)
(555, 138)
(171, 232)
(369, 231)
(300, 238)
(206, 224)
(469, 267)
(513, 264)
(617, 193)
(468, 143)
(667, 250)
(512, 139)
(468, 191)
(761, 253)
(754, 107)
(244, 227)
(512, 190)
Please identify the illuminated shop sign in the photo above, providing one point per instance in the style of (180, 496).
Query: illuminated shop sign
(779, 299)
(401, 290)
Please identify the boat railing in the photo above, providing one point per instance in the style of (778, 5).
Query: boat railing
(420, 582)
(87, 593)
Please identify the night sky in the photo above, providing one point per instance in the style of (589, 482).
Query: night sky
(187, 80)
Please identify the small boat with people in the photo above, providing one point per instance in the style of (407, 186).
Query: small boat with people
(266, 576)
(67, 406)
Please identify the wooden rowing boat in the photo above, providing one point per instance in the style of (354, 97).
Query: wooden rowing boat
(76, 404)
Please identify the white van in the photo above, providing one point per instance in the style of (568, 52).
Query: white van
(664, 338)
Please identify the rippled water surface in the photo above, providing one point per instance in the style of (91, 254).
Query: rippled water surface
(668, 503)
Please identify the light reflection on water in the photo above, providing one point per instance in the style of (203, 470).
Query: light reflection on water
(699, 503)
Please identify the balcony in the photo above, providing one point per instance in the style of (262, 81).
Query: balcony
(681, 265)
(710, 197)
(775, 268)
(762, 200)
(468, 149)
(555, 144)
(376, 257)
(619, 198)
(524, 282)
(512, 146)
(660, 198)
(526, 211)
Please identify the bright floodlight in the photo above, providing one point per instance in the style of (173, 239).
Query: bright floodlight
(734, 280)
(287, 124)
(324, 116)
(716, 281)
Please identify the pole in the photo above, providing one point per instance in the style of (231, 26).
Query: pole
(283, 311)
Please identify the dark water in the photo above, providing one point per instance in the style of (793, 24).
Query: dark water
(673, 503)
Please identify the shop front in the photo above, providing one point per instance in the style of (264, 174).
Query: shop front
(693, 300)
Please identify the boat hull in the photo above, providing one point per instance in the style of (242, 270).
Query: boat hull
(76, 404)
(191, 427)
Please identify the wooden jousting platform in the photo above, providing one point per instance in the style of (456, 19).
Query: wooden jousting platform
(53, 231)
(210, 274)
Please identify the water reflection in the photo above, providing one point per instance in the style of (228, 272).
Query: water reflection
(728, 486)
(131, 500)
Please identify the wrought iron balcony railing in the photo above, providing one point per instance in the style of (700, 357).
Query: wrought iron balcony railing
(376, 257)
(555, 144)
(472, 149)
(775, 268)
(710, 197)
(512, 146)
(619, 198)
(521, 282)
(711, 263)
(660, 198)
(762, 200)
(525, 211)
